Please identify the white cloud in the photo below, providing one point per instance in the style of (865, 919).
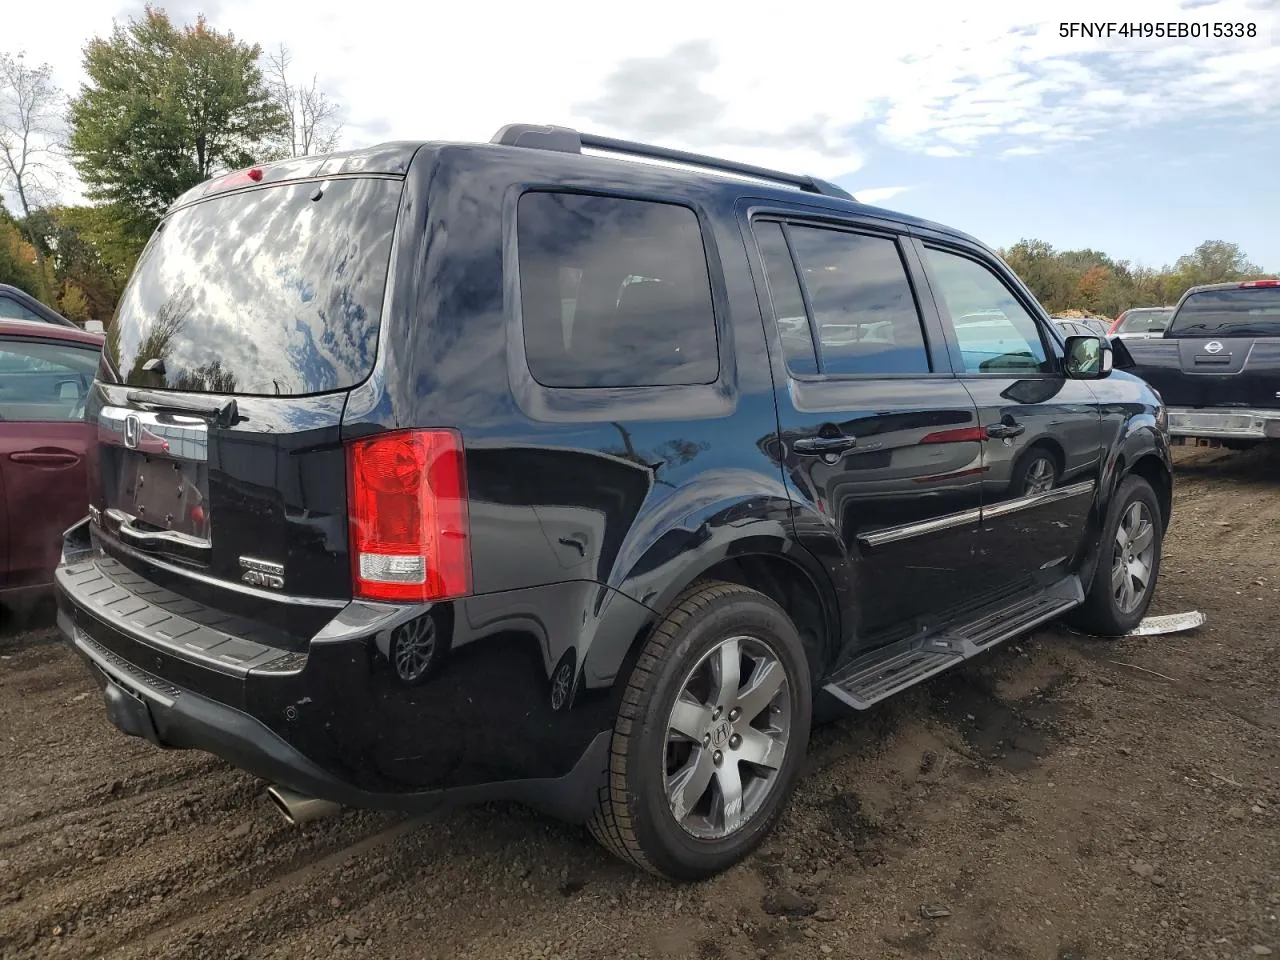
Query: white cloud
(995, 77)
(878, 195)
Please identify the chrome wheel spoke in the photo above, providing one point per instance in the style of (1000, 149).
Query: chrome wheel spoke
(1118, 574)
(730, 810)
(1140, 573)
(761, 749)
(726, 672)
(1142, 539)
(689, 719)
(686, 788)
(766, 681)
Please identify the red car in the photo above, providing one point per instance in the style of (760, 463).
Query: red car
(45, 374)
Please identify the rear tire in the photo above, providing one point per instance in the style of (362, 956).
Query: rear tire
(1131, 543)
(689, 734)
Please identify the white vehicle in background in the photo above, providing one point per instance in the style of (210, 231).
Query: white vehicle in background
(1141, 323)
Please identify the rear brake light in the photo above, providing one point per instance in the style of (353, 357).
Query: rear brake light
(1115, 325)
(1261, 283)
(407, 506)
(238, 179)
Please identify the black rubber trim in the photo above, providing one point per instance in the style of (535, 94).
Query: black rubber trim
(193, 722)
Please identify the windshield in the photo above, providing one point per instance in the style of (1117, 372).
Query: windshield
(269, 291)
(1144, 321)
(1232, 312)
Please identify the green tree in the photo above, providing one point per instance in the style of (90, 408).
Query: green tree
(1215, 261)
(166, 108)
(1092, 281)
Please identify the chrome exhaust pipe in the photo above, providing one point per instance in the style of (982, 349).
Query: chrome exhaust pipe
(297, 809)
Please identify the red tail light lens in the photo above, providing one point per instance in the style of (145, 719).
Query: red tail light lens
(407, 505)
(1260, 283)
(1115, 325)
(238, 179)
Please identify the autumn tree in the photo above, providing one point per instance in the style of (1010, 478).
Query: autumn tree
(314, 122)
(1091, 280)
(30, 129)
(17, 256)
(164, 109)
(1215, 261)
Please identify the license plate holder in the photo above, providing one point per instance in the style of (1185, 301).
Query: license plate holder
(165, 494)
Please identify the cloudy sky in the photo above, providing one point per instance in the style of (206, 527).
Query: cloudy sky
(978, 115)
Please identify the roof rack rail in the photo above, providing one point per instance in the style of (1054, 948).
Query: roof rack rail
(568, 140)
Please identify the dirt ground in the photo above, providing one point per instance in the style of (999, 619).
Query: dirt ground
(1064, 798)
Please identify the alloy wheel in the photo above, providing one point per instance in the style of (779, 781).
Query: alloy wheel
(1135, 550)
(727, 737)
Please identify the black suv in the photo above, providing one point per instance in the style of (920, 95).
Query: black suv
(516, 471)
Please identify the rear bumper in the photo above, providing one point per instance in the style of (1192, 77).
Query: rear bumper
(1226, 423)
(324, 724)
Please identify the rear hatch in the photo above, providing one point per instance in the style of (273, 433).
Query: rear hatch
(248, 319)
(1221, 349)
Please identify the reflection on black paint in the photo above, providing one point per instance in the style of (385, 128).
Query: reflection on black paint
(261, 291)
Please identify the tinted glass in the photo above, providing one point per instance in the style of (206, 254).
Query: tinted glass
(788, 301)
(43, 381)
(11, 309)
(863, 308)
(614, 292)
(269, 291)
(996, 334)
(1238, 312)
(1144, 321)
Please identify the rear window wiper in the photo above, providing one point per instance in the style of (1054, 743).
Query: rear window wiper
(223, 412)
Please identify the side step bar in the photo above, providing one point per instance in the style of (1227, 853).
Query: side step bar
(880, 674)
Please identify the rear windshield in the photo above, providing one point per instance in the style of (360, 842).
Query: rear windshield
(272, 291)
(1142, 321)
(1233, 312)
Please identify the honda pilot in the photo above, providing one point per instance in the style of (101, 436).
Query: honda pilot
(521, 470)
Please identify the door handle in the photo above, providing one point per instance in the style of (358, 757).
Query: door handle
(1005, 429)
(820, 445)
(45, 459)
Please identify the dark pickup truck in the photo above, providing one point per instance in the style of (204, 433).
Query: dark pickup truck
(1217, 366)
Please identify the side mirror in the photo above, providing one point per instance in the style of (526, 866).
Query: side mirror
(1088, 358)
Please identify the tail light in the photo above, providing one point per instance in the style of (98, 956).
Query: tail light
(1260, 283)
(1115, 326)
(407, 505)
(239, 178)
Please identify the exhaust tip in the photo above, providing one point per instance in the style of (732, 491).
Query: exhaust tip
(298, 809)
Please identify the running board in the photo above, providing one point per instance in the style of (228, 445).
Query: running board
(880, 674)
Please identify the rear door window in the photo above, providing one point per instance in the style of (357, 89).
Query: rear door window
(275, 291)
(788, 300)
(864, 311)
(614, 292)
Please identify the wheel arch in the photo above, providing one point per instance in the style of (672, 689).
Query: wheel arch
(775, 567)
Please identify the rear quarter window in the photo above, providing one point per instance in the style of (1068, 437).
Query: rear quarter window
(614, 292)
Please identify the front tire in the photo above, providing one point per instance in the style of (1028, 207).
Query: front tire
(713, 727)
(1128, 562)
